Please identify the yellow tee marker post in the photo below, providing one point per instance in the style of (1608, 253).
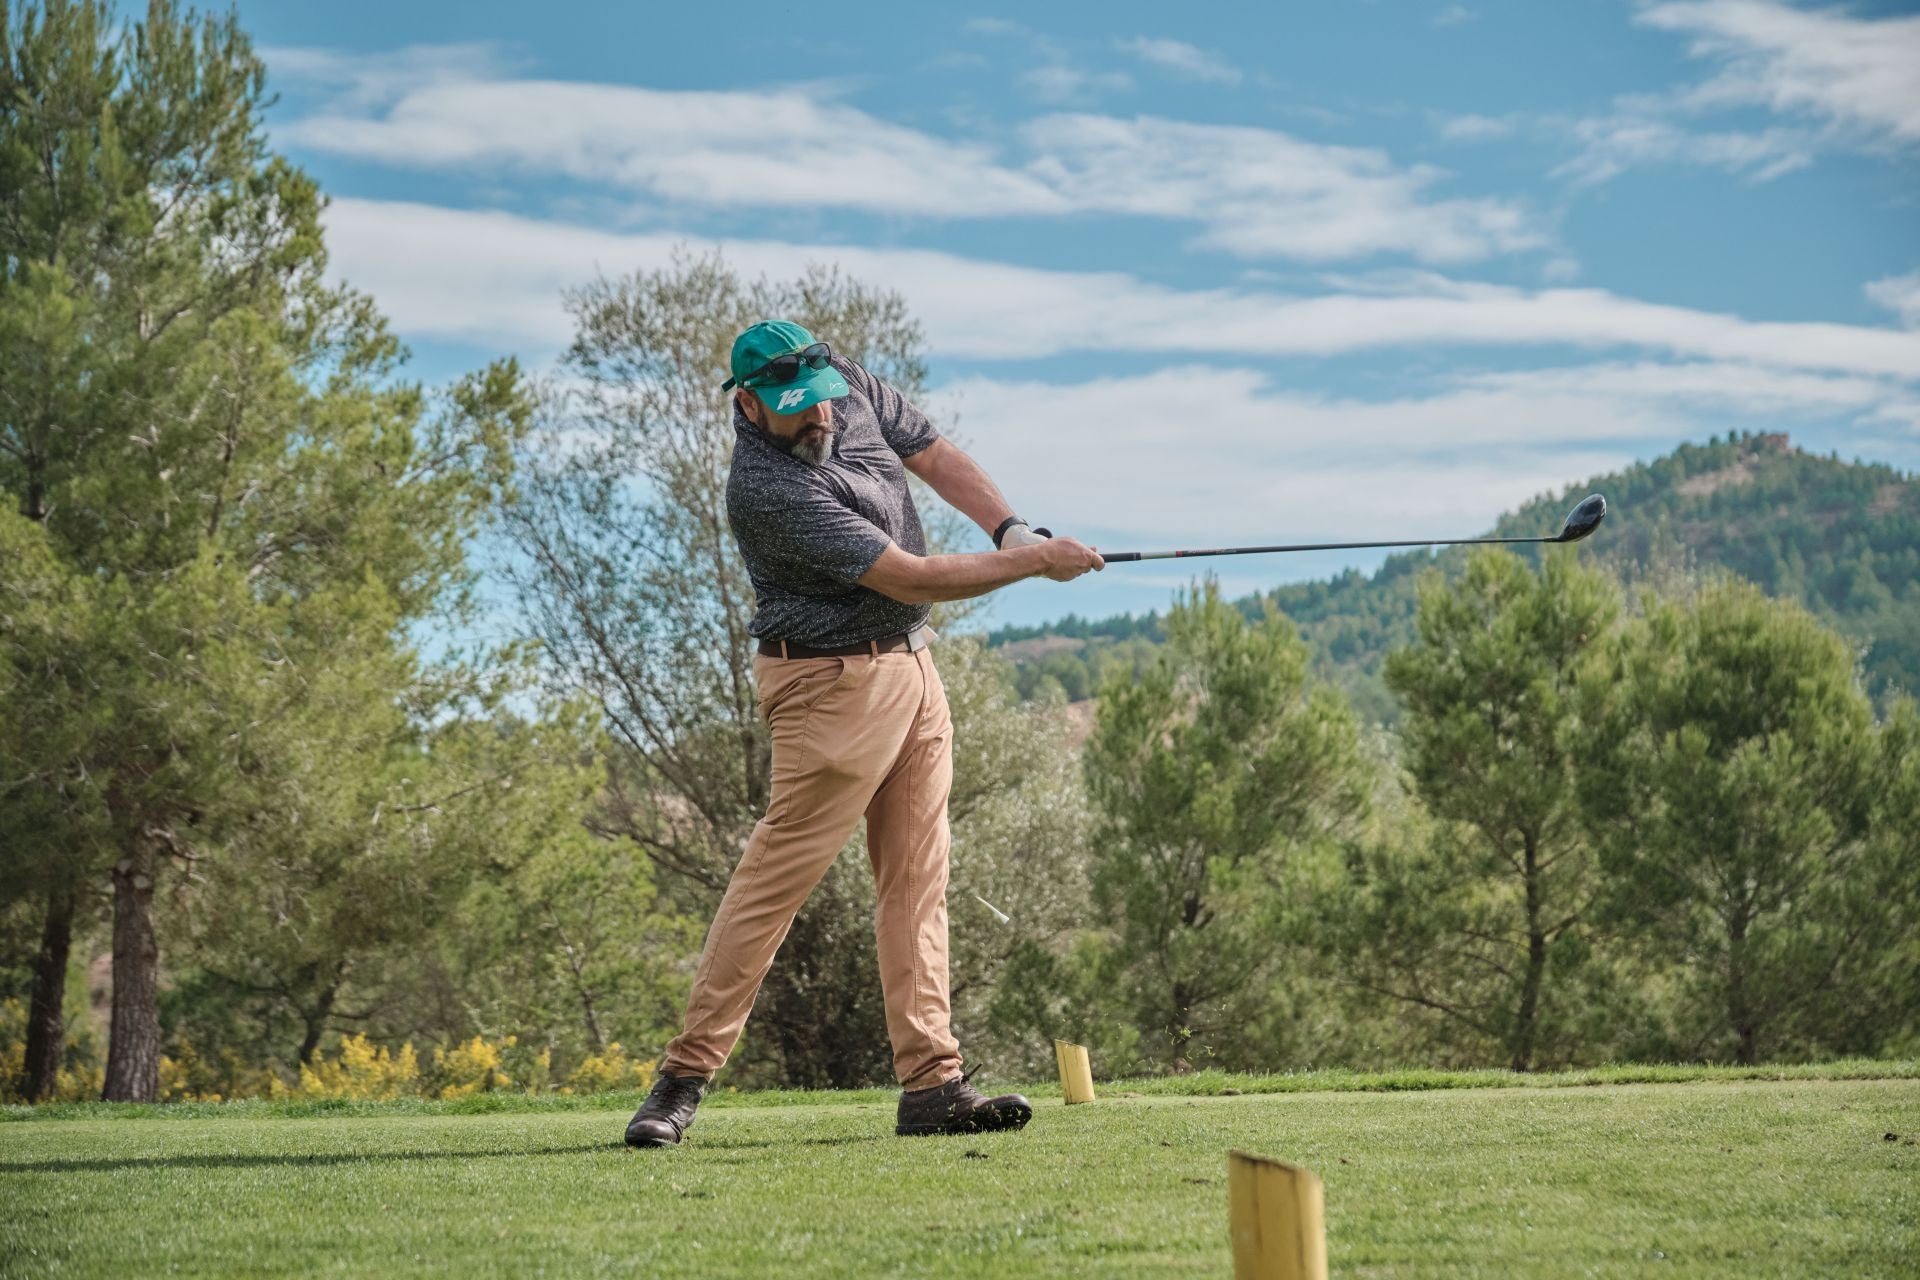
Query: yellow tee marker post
(1277, 1214)
(1076, 1074)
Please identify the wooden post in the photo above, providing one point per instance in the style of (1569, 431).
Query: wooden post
(1277, 1214)
(1076, 1074)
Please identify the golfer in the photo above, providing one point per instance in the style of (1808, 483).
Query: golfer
(817, 498)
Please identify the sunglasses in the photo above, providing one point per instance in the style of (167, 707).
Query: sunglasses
(786, 368)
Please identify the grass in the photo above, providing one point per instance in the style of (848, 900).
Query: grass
(1716, 1174)
(1197, 1084)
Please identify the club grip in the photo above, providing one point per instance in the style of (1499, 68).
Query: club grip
(1117, 556)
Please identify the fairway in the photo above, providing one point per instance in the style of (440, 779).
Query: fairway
(1706, 1178)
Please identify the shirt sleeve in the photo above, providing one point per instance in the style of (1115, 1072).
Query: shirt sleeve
(907, 430)
(807, 531)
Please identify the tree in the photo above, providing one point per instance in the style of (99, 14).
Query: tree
(1879, 1013)
(380, 820)
(573, 946)
(1734, 779)
(46, 614)
(1207, 772)
(211, 438)
(1481, 921)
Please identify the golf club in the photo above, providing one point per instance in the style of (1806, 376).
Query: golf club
(1000, 915)
(1581, 521)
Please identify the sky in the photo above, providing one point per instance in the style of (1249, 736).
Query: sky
(1190, 275)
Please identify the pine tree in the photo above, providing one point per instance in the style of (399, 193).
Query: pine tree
(211, 442)
(1209, 772)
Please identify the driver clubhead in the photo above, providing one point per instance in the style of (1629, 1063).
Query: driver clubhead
(1583, 519)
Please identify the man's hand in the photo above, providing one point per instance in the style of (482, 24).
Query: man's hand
(1067, 558)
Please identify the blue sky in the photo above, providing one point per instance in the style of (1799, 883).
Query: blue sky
(1192, 274)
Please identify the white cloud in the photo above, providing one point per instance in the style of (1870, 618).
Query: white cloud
(1252, 191)
(1396, 282)
(1060, 83)
(1266, 193)
(1728, 385)
(1841, 82)
(1182, 59)
(1610, 145)
(1454, 15)
(1859, 72)
(496, 277)
(709, 148)
(363, 81)
(1561, 270)
(1473, 128)
(1900, 295)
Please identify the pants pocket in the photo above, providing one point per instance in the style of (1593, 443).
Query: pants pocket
(797, 681)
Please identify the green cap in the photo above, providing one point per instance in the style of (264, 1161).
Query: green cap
(773, 338)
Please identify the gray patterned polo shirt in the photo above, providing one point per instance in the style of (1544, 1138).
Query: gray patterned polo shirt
(808, 533)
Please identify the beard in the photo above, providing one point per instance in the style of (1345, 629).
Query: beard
(813, 445)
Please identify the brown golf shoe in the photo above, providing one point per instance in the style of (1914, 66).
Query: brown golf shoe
(958, 1107)
(668, 1111)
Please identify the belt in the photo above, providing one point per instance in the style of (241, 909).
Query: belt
(912, 641)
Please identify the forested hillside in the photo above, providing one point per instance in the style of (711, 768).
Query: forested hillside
(1843, 538)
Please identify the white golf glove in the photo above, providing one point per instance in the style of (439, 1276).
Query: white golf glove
(1020, 535)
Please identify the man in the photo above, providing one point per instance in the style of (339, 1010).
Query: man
(818, 501)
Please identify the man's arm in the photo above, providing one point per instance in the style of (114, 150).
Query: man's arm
(961, 483)
(913, 579)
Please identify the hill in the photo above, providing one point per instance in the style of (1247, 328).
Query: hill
(1842, 538)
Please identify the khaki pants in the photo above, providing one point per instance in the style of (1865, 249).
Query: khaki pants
(866, 735)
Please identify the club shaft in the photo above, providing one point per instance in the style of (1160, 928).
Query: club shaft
(1120, 556)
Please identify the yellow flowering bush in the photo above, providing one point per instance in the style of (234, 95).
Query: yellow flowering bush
(176, 1080)
(470, 1068)
(79, 1084)
(187, 1075)
(359, 1070)
(611, 1069)
(363, 1071)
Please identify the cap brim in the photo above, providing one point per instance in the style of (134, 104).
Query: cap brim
(818, 385)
